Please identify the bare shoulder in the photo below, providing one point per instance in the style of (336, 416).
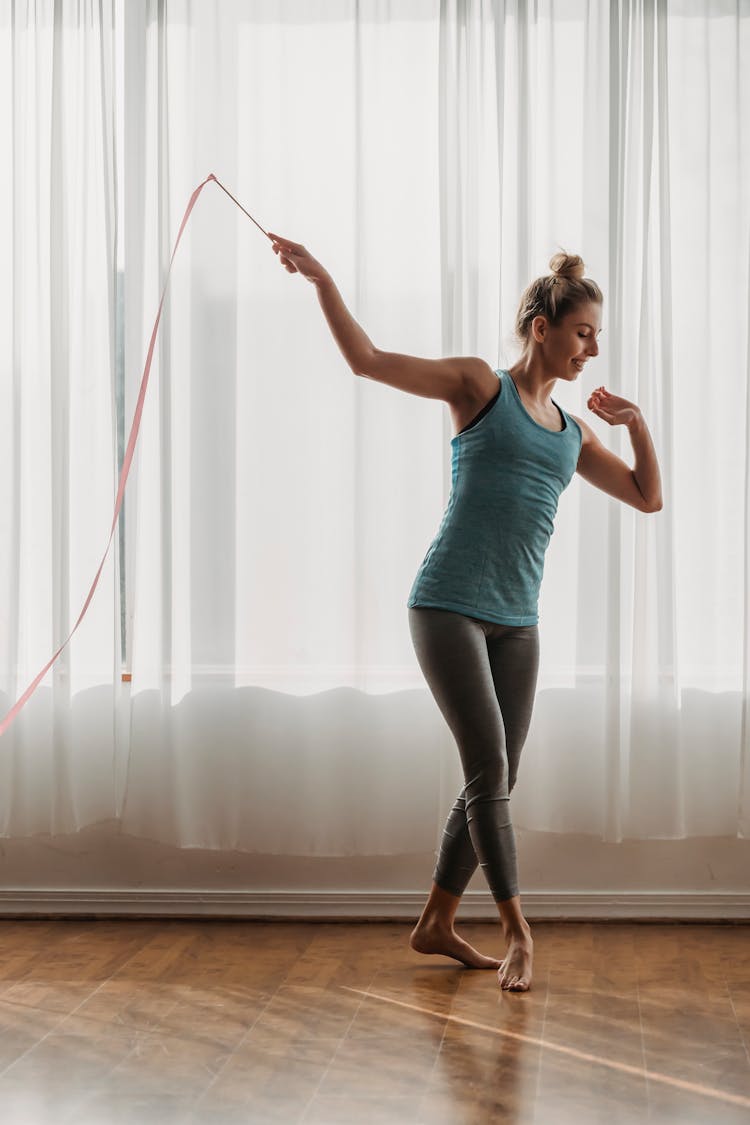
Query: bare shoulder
(481, 380)
(586, 431)
(478, 385)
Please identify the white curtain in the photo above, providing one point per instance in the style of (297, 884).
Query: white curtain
(433, 156)
(58, 463)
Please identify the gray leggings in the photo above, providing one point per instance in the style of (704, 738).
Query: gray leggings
(483, 678)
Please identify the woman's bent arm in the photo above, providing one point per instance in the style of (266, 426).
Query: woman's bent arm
(640, 487)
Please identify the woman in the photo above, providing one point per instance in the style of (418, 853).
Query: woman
(473, 605)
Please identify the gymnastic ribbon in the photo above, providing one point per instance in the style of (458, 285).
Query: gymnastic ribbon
(9, 718)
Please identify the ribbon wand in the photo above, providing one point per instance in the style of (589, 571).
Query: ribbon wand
(211, 176)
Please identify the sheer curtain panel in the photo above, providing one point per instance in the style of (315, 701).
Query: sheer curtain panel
(57, 413)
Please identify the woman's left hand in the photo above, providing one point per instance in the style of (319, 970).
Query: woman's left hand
(613, 409)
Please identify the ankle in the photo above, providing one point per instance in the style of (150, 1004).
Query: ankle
(440, 909)
(436, 921)
(517, 931)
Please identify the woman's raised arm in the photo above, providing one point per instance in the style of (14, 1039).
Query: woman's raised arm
(450, 379)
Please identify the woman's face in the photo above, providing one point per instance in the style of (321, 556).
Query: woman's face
(567, 346)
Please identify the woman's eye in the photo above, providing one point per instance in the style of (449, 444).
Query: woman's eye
(582, 335)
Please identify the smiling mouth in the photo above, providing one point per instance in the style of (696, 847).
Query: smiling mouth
(579, 363)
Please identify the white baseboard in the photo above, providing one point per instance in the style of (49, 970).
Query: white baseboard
(400, 906)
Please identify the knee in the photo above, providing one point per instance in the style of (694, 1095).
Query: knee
(489, 781)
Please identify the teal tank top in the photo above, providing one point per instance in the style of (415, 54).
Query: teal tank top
(507, 472)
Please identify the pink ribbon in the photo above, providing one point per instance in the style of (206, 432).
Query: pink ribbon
(128, 452)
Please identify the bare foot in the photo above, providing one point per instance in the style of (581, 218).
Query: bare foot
(431, 937)
(515, 968)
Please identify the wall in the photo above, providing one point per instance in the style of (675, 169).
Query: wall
(98, 871)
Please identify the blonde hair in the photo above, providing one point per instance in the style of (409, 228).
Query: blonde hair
(556, 294)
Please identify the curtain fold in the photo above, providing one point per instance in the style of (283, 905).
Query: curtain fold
(57, 413)
(433, 156)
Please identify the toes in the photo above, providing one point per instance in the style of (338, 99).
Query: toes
(517, 983)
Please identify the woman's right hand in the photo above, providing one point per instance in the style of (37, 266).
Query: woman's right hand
(296, 259)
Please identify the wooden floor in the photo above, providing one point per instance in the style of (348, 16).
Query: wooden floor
(219, 1021)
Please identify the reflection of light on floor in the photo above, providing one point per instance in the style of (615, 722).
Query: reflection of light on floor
(654, 1076)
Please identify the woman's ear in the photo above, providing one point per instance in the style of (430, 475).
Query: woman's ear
(538, 328)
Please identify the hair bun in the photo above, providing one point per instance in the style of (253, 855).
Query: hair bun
(569, 266)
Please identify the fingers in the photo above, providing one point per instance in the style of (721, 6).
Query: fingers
(286, 242)
(282, 247)
(594, 402)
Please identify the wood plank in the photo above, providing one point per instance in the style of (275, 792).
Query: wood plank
(222, 1021)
